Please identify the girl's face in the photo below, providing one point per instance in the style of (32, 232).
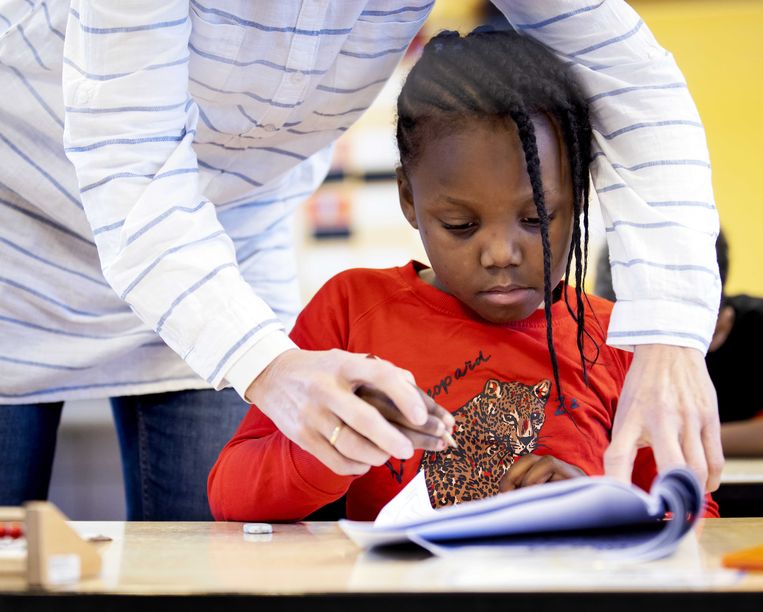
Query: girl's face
(470, 197)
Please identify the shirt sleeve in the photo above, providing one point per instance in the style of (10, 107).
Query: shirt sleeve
(261, 474)
(129, 129)
(650, 168)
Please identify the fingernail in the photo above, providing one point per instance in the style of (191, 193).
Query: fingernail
(450, 440)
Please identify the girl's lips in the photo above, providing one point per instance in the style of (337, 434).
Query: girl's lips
(506, 296)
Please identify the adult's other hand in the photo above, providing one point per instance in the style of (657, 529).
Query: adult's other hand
(668, 402)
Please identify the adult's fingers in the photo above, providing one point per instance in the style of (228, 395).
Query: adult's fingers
(334, 460)
(434, 409)
(666, 446)
(394, 382)
(621, 453)
(390, 410)
(435, 424)
(710, 435)
(366, 421)
(422, 440)
(437, 411)
(355, 447)
(694, 454)
(711, 444)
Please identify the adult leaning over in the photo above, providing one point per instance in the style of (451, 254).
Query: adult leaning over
(149, 257)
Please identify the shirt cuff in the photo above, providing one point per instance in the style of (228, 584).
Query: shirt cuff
(657, 321)
(256, 359)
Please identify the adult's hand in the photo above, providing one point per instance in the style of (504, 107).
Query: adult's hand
(309, 394)
(668, 402)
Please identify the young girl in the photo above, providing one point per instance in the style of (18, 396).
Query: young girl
(494, 147)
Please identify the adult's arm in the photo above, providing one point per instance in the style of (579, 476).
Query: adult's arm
(129, 129)
(651, 172)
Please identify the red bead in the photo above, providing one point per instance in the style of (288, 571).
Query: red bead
(11, 530)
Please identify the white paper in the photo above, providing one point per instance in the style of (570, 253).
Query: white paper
(410, 505)
(598, 512)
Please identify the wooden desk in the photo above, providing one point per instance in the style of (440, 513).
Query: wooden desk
(741, 490)
(312, 566)
(743, 471)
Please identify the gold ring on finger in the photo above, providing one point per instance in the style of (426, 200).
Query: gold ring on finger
(335, 434)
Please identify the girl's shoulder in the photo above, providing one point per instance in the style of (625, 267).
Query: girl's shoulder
(597, 310)
(343, 300)
(598, 315)
(600, 308)
(362, 276)
(366, 285)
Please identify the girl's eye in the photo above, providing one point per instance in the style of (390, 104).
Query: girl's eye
(460, 227)
(535, 221)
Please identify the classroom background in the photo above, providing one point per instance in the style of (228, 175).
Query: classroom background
(354, 220)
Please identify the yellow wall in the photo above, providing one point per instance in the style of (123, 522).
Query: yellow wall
(719, 46)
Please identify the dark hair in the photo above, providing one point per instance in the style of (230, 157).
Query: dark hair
(722, 252)
(489, 75)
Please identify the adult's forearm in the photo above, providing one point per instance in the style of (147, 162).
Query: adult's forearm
(129, 131)
(650, 168)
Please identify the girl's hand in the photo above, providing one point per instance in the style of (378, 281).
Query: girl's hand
(529, 470)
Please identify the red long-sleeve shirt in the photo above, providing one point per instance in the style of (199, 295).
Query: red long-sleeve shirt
(463, 362)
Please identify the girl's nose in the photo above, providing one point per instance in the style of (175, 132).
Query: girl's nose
(500, 251)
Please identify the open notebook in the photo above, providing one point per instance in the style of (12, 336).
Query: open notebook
(611, 517)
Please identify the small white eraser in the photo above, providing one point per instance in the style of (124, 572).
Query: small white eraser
(258, 528)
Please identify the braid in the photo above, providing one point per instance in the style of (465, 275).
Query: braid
(573, 147)
(501, 75)
(530, 148)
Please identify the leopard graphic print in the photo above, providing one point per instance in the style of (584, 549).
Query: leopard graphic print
(491, 429)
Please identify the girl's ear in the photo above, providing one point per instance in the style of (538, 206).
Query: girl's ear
(406, 197)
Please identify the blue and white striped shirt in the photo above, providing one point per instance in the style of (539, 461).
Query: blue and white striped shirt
(192, 129)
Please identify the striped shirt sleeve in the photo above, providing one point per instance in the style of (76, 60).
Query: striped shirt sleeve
(650, 168)
(129, 128)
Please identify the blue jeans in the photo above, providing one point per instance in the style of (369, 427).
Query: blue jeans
(168, 443)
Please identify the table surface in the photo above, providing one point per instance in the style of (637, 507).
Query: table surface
(743, 471)
(316, 558)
